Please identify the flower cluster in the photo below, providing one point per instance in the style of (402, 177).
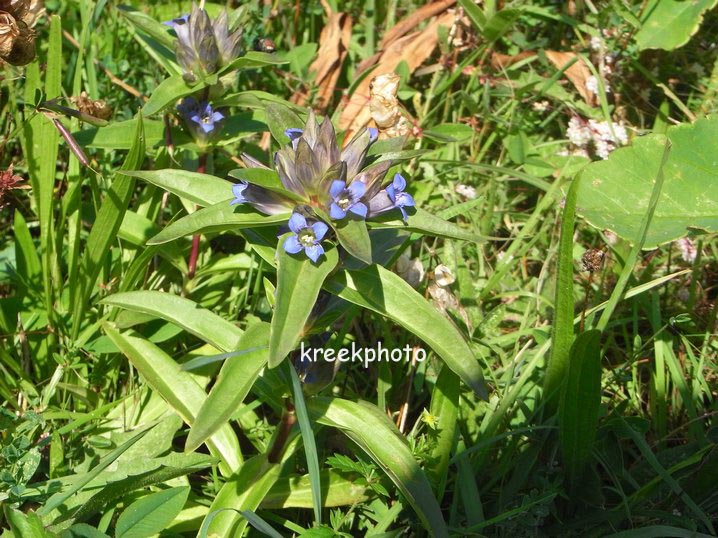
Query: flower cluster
(322, 184)
(204, 46)
(600, 136)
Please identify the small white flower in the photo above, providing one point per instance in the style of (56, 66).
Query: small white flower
(592, 85)
(578, 132)
(688, 249)
(443, 276)
(540, 106)
(466, 191)
(596, 43)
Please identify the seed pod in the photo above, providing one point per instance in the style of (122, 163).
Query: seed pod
(23, 51)
(592, 259)
(9, 33)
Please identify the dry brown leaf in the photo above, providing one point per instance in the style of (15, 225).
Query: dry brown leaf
(333, 48)
(578, 73)
(413, 49)
(502, 61)
(412, 21)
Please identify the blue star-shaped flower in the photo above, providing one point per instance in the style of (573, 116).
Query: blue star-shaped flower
(206, 117)
(398, 197)
(238, 192)
(347, 199)
(306, 238)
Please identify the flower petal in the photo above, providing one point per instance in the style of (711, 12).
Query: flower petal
(359, 209)
(403, 213)
(399, 182)
(357, 189)
(217, 116)
(320, 230)
(336, 212)
(337, 187)
(238, 192)
(391, 194)
(297, 222)
(373, 134)
(314, 251)
(292, 245)
(405, 200)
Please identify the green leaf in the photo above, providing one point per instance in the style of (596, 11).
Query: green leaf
(310, 445)
(354, 237)
(580, 402)
(384, 292)
(107, 224)
(220, 217)
(184, 313)
(444, 410)
(153, 28)
(669, 24)
(615, 193)
(202, 189)
(281, 118)
(449, 132)
(500, 23)
(252, 60)
(298, 283)
(24, 525)
(474, 13)
(83, 530)
(296, 491)
(245, 490)
(371, 429)
(425, 223)
(265, 177)
(151, 514)
(177, 388)
(168, 92)
(233, 384)
(562, 333)
(120, 135)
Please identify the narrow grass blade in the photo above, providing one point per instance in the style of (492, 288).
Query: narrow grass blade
(298, 283)
(444, 410)
(562, 334)
(104, 231)
(580, 403)
(369, 428)
(184, 313)
(310, 446)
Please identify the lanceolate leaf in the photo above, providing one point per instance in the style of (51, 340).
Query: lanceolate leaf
(182, 312)
(354, 237)
(298, 283)
(382, 291)
(202, 189)
(220, 217)
(280, 118)
(151, 514)
(233, 384)
(615, 193)
(168, 92)
(424, 222)
(264, 177)
(580, 401)
(178, 389)
(370, 428)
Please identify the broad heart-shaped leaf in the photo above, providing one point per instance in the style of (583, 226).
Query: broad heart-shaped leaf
(178, 389)
(184, 313)
(217, 218)
(170, 90)
(580, 402)
(267, 178)
(233, 383)
(202, 189)
(371, 429)
(669, 24)
(615, 193)
(354, 237)
(298, 283)
(151, 514)
(425, 223)
(386, 293)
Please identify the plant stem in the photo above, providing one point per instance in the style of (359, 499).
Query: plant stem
(194, 253)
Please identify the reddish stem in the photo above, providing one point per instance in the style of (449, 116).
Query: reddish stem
(194, 253)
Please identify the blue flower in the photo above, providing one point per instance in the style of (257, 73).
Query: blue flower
(179, 21)
(206, 117)
(238, 191)
(347, 199)
(373, 134)
(398, 197)
(306, 237)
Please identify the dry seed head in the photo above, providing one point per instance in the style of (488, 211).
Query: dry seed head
(592, 259)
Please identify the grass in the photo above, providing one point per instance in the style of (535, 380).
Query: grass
(100, 391)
